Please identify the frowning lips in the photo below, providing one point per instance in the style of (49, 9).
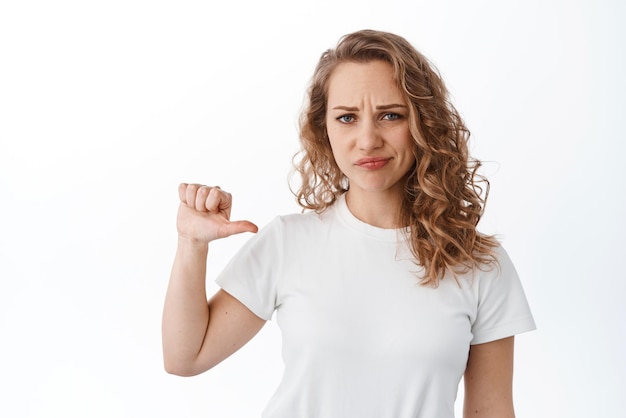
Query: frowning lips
(372, 163)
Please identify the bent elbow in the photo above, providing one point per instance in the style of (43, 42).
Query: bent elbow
(182, 369)
(179, 371)
(176, 371)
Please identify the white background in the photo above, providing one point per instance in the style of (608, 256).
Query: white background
(106, 106)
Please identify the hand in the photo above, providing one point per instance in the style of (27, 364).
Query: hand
(204, 214)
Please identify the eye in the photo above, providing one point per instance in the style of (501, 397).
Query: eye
(392, 116)
(346, 118)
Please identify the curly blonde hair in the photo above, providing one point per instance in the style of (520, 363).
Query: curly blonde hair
(443, 199)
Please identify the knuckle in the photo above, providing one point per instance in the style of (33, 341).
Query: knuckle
(215, 191)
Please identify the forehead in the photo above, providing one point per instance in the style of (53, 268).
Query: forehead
(352, 81)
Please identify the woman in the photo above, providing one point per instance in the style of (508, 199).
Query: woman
(385, 293)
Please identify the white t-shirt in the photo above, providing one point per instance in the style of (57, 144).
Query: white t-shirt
(361, 337)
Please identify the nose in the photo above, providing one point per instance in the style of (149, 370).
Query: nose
(369, 136)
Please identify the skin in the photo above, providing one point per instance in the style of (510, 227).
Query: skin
(489, 380)
(366, 119)
(198, 335)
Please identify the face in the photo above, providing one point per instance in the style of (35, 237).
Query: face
(368, 127)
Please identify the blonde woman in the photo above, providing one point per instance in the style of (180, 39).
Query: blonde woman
(384, 291)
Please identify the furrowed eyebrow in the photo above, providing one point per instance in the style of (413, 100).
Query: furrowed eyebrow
(381, 107)
(346, 108)
(391, 106)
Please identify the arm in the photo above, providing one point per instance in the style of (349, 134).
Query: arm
(198, 334)
(489, 380)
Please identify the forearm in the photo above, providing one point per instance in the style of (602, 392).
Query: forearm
(186, 312)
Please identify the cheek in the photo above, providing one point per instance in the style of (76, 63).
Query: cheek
(404, 142)
(331, 134)
(337, 153)
(336, 144)
(409, 152)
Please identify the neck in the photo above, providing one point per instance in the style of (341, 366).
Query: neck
(377, 209)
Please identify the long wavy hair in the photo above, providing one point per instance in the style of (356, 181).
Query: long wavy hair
(444, 195)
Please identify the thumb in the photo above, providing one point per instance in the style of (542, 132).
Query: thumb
(237, 227)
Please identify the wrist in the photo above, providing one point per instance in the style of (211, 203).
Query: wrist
(192, 244)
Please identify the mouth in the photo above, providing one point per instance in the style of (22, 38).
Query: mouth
(372, 163)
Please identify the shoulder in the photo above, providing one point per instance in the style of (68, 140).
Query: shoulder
(310, 219)
(295, 219)
(498, 273)
(498, 264)
(298, 231)
(502, 265)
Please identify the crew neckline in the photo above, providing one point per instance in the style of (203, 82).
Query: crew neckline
(392, 235)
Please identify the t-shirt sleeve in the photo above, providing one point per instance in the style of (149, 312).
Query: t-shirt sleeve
(251, 275)
(503, 309)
